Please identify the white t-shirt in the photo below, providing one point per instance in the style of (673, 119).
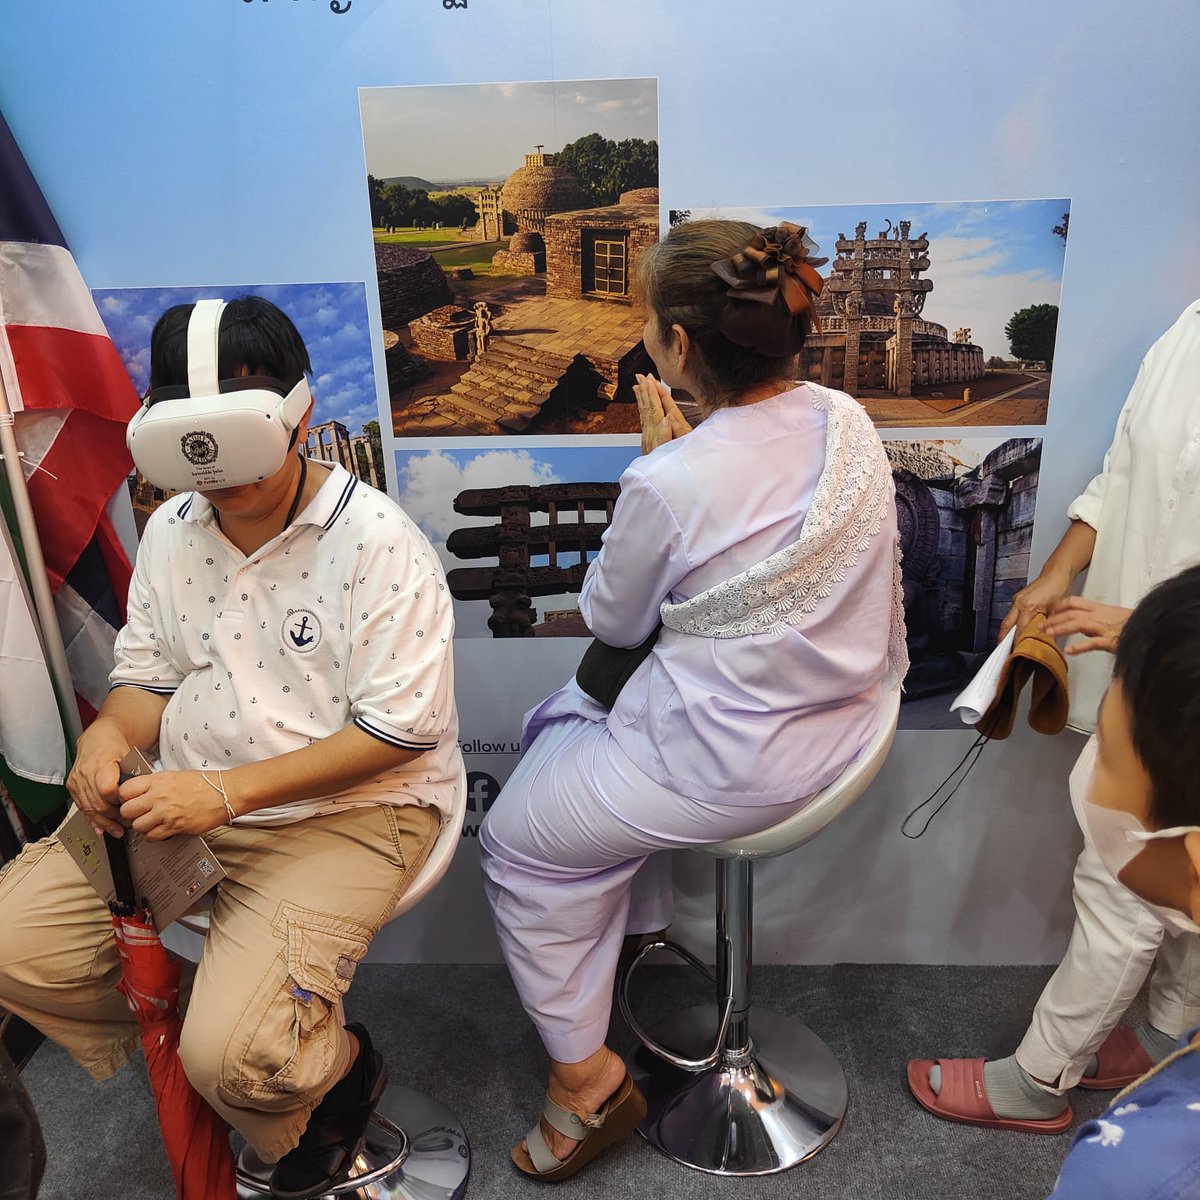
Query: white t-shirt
(1145, 503)
(344, 617)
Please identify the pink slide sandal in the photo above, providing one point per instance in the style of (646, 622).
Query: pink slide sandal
(1122, 1060)
(963, 1097)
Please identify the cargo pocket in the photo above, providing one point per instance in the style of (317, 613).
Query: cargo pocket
(323, 952)
(289, 1054)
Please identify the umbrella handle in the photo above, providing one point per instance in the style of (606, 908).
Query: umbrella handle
(118, 861)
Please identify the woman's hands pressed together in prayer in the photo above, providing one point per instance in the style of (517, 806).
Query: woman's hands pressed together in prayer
(660, 416)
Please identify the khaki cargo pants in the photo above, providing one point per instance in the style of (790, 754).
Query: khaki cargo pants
(262, 1036)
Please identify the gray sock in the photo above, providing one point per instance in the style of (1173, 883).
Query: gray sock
(1011, 1091)
(1155, 1043)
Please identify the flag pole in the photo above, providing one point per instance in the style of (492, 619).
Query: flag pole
(39, 582)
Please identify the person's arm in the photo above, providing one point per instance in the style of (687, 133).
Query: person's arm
(1074, 552)
(128, 717)
(1069, 557)
(641, 559)
(144, 678)
(167, 803)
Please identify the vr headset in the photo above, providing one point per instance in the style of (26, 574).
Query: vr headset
(214, 433)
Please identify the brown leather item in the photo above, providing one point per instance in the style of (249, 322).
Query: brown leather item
(1035, 656)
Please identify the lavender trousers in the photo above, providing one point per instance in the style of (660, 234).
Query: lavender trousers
(569, 863)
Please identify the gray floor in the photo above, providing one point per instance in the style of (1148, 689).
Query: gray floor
(458, 1032)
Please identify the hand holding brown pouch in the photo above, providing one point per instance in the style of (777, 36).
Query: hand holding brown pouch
(1035, 655)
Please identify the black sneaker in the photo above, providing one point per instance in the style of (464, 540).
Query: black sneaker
(334, 1137)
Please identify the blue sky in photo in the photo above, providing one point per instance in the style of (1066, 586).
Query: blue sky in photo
(987, 258)
(331, 318)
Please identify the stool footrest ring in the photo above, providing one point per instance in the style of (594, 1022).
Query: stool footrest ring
(693, 1065)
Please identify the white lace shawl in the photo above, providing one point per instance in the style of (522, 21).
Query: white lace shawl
(847, 511)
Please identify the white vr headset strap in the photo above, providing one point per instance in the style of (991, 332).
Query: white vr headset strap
(204, 328)
(295, 404)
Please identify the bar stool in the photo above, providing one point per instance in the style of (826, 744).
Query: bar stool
(746, 1102)
(416, 1148)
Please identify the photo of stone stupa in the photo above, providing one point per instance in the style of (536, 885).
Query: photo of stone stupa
(506, 300)
(952, 325)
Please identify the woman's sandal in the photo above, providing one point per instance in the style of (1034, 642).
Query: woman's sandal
(619, 1115)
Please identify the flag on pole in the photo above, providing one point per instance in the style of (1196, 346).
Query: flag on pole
(71, 396)
(33, 748)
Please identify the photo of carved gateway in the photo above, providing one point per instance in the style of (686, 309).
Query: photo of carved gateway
(872, 336)
(933, 314)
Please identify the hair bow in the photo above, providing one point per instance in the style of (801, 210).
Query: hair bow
(776, 263)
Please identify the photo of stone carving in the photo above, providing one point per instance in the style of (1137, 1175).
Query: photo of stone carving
(332, 320)
(508, 220)
(965, 511)
(515, 530)
(951, 325)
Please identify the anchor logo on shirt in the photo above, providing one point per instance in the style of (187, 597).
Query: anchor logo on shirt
(301, 636)
(301, 631)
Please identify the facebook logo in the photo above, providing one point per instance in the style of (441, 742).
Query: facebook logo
(482, 790)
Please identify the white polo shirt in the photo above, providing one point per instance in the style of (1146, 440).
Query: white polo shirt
(344, 617)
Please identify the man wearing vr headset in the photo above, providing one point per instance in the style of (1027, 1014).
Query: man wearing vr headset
(288, 650)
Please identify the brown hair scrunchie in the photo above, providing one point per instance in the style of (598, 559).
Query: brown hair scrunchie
(771, 282)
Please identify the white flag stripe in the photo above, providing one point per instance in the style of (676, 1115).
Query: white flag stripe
(36, 430)
(41, 285)
(31, 733)
(88, 639)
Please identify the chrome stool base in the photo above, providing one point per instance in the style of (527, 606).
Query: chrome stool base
(752, 1116)
(415, 1149)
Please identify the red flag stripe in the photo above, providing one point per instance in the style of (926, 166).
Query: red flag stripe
(83, 467)
(63, 368)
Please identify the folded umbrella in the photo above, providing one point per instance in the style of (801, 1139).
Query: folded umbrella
(196, 1138)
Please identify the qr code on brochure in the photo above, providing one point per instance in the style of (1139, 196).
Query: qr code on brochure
(205, 867)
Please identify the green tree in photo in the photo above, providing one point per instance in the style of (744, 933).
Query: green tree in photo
(397, 205)
(371, 429)
(1031, 331)
(606, 168)
(375, 194)
(455, 209)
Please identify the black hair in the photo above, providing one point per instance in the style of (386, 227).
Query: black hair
(254, 334)
(1158, 667)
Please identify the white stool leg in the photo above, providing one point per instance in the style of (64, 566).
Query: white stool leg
(776, 1096)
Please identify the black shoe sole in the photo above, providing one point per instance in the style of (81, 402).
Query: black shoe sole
(341, 1176)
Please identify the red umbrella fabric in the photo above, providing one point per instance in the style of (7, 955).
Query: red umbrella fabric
(196, 1138)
